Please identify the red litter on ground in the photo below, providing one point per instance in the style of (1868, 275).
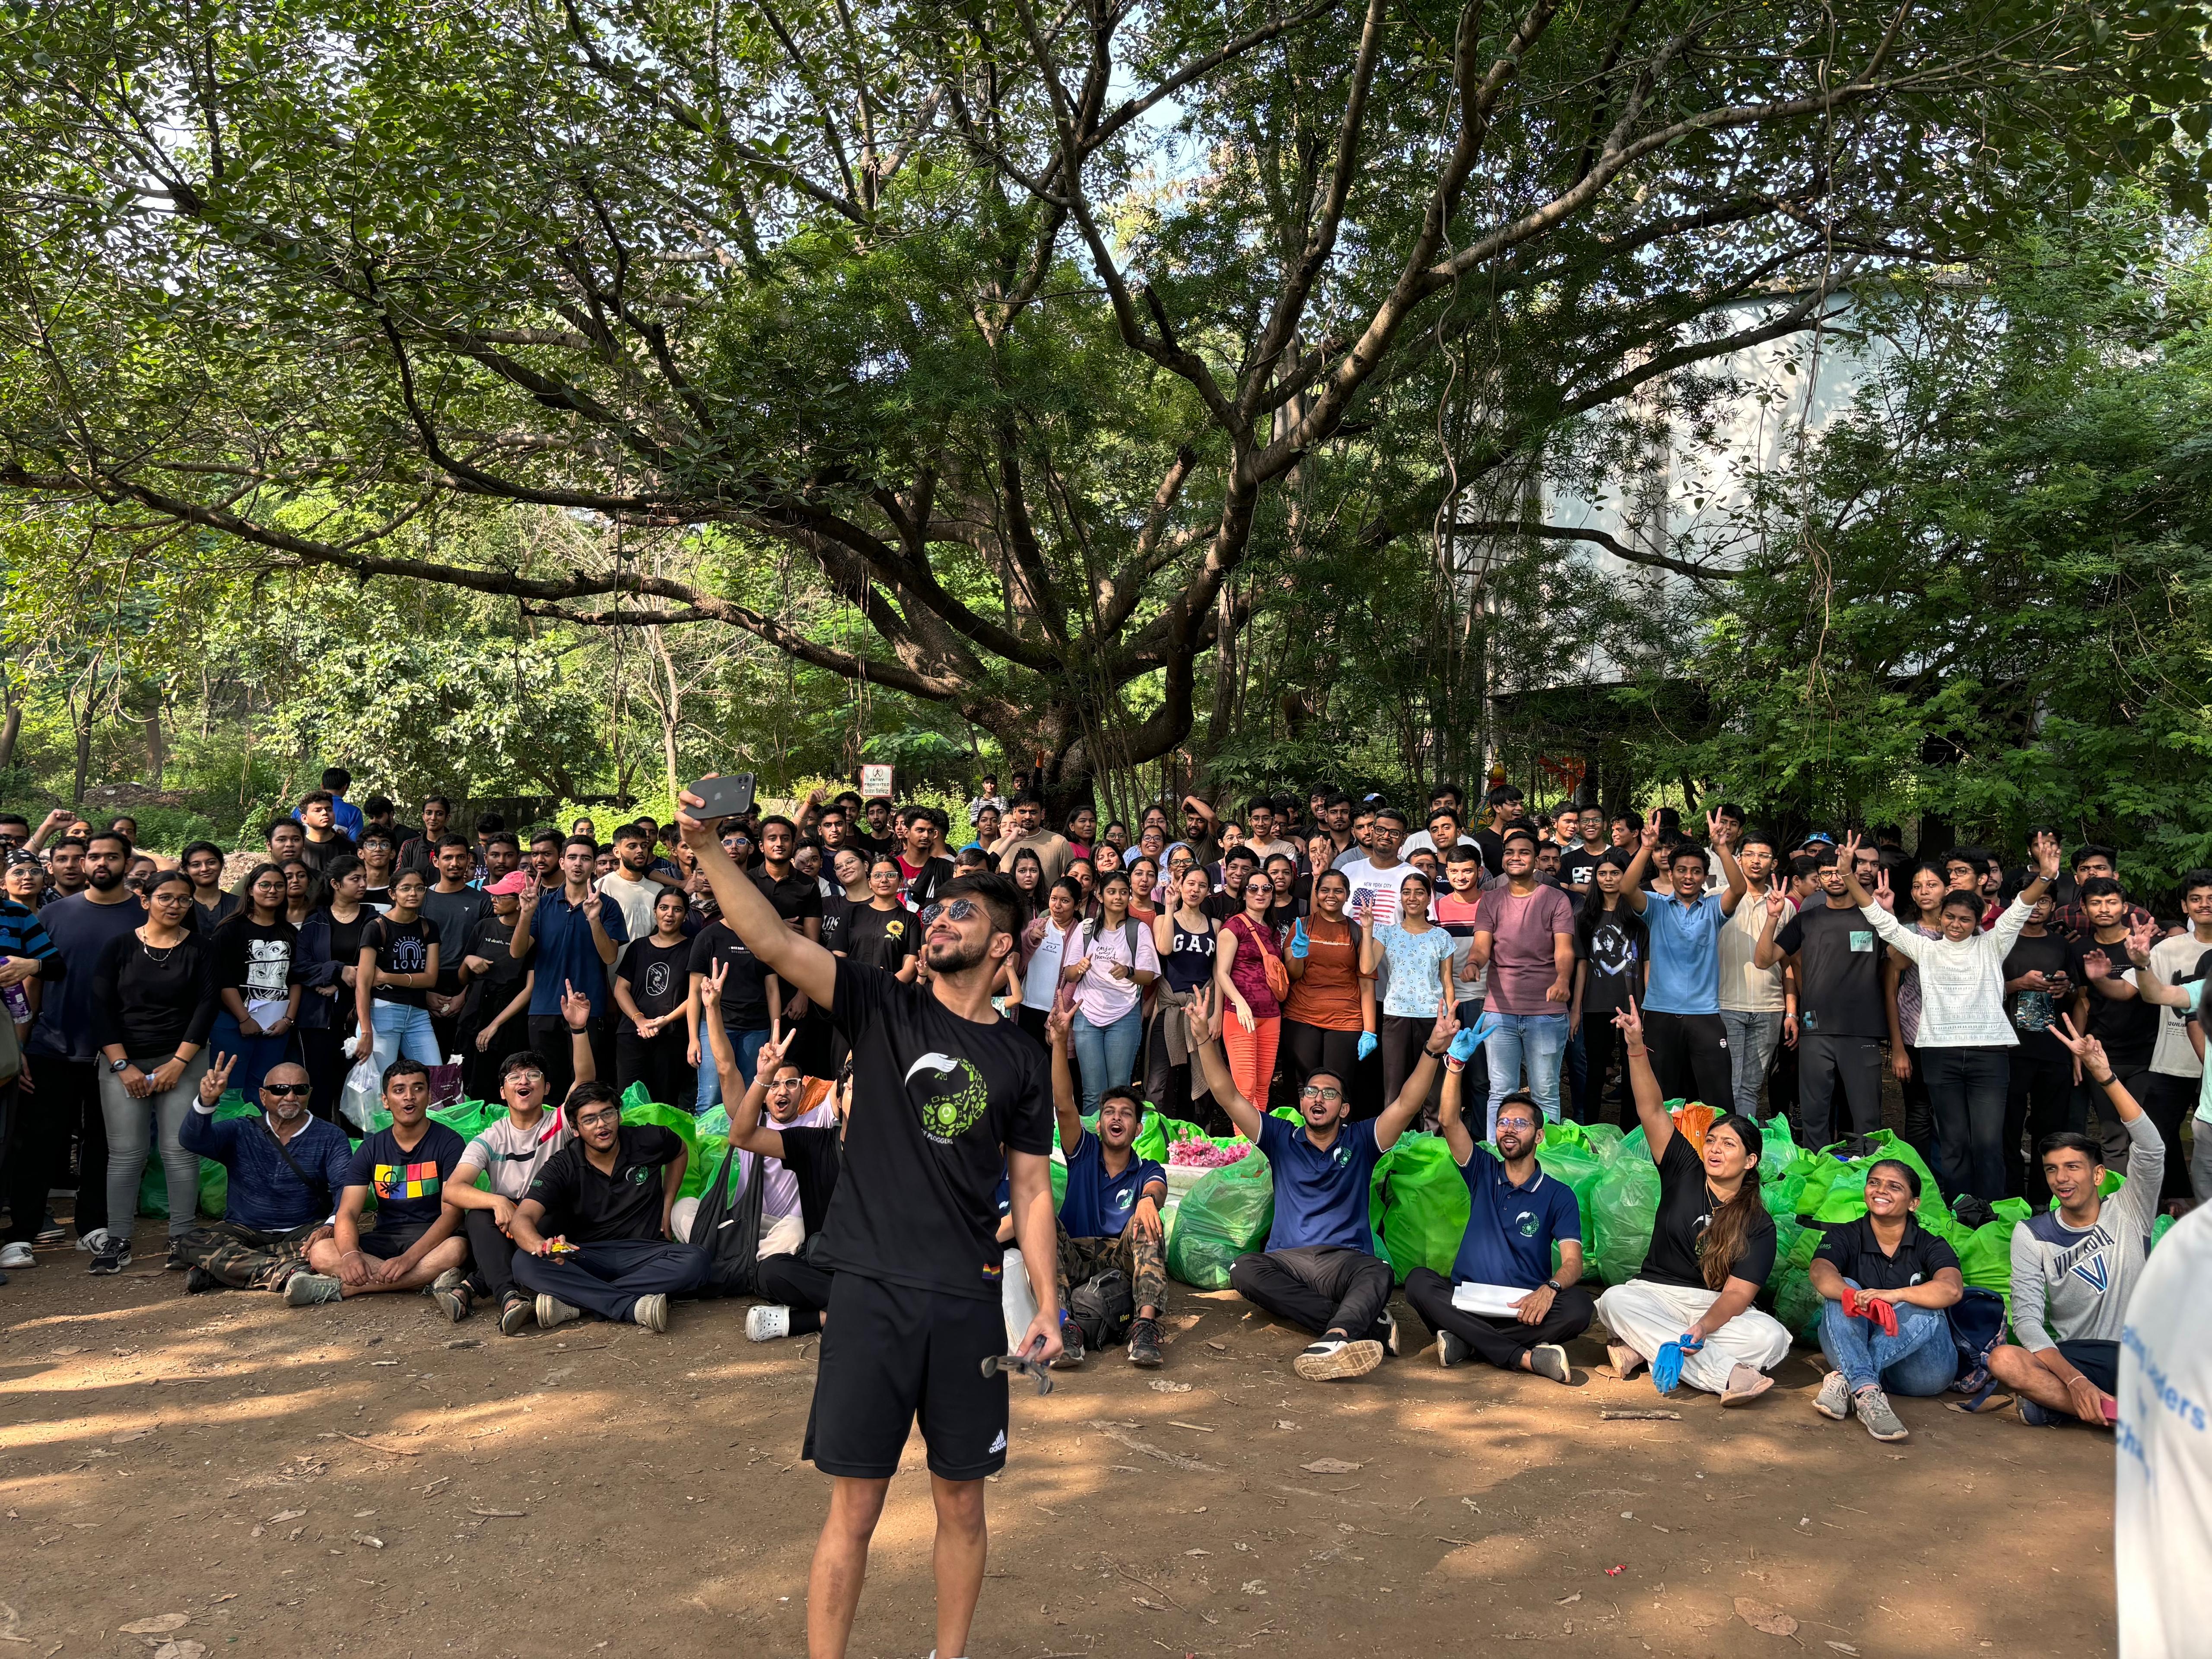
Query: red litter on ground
(1615, 1572)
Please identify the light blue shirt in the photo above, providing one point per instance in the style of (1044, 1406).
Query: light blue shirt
(1686, 954)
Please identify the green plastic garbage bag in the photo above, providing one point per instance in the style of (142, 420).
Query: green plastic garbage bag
(1779, 1148)
(215, 1180)
(705, 1156)
(1985, 1259)
(1226, 1215)
(1058, 1172)
(1796, 1303)
(1626, 1199)
(1418, 1205)
(2013, 1209)
(1604, 1140)
(1571, 1160)
(1160, 1132)
(2159, 1229)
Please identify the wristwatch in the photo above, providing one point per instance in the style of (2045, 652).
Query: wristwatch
(118, 1066)
(1553, 1285)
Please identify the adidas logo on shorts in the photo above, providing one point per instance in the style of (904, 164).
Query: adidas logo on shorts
(999, 1445)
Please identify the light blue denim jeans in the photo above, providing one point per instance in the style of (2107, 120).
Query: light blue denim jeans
(746, 1046)
(403, 1029)
(1534, 1040)
(1751, 1039)
(1918, 1362)
(1106, 1053)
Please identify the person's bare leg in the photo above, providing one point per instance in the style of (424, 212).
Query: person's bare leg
(840, 1564)
(2021, 1371)
(963, 1543)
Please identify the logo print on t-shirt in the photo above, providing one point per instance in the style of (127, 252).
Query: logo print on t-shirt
(948, 1095)
(1526, 1221)
(2090, 1270)
(407, 1180)
(656, 980)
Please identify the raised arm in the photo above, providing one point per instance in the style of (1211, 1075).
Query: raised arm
(1401, 1112)
(2148, 986)
(1205, 1031)
(1643, 1083)
(1632, 879)
(799, 961)
(1717, 832)
(1765, 953)
(1067, 1105)
(1449, 1118)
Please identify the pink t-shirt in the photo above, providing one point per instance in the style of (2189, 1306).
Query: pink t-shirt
(1521, 927)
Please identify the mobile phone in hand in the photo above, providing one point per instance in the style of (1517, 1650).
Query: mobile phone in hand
(723, 797)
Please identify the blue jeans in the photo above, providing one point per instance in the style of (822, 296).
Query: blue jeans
(1919, 1362)
(1536, 1039)
(403, 1029)
(255, 1054)
(1752, 1038)
(746, 1046)
(1108, 1054)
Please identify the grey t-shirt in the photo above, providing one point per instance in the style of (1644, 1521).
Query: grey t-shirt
(2072, 1284)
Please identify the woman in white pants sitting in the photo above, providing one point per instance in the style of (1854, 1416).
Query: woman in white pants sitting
(1688, 1312)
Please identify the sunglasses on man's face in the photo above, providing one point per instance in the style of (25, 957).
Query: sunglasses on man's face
(284, 1088)
(959, 909)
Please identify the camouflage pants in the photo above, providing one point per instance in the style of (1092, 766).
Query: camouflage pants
(246, 1259)
(1145, 1260)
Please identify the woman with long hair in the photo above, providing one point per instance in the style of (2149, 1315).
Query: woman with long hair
(1029, 880)
(303, 890)
(1118, 961)
(1331, 1007)
(1116, 836)
(1612, 954)
(153, 1006)
(1924, 887)
(1084, 875)
(1143, 881)
(1184, 939)
(1687, 1312)
(1420, 957)
(1247, 970)
(327, 957)
(1044, 952)
(884, 932)
(253, 954)
(201, 863)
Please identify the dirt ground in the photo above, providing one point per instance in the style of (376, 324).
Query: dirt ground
(369, 1478)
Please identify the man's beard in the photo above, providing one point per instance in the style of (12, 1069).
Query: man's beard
(956, 955)
(93, 879)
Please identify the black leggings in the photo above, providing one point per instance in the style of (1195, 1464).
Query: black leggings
(1602, 1047)
(1402, 1039)
(494, 1252)
(1313, 1049)
(1689, 1053)
(798, 1286)
(658, 1062)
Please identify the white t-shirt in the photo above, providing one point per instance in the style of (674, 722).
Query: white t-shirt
(1381, 887)
(1104, 998)
(1041, 979)
(512, 1155)
(2171, 960)
(2162, 1484)
(636, 899)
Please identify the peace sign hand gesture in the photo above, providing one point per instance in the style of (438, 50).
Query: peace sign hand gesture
(216, 1078)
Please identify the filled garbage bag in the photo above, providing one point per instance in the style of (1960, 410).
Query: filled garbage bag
(1226, 1215)
(1418, 1205)
(1626, 1199)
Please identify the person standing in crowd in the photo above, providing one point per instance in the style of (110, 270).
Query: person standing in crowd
(254, 954)
(884, 932)
(1183, 939)
(576, 934)
(1901, 985)
(1755, 1001)
(1524, 937)
(749, 1006)
(1330, 1021)
(321, 840)
(303, 890)
(1611, 952)
(1682, 1016)
(1321, 1270)
(1506, 1303)
(1117, 960)
(2176, 1068)
(1836, 960)
(651, 989)
(1044, 950)
(2118, 1016)
(1687, 1312)
(61, 1088)
(1375, 878)
(987, 798)
(631, 884)
(921, 869)
(454, 906)
(2074, 1267)
(379, 856)
(202, 862)
(419, 850)
(26, 949)
(1418, 985)
(326, 961)
(498, 988)
(153, 1005)
(1028, 830)
(1884, 1281)
(1501, 812)
(1251, 979)
(398, 965)
(2040, 1077)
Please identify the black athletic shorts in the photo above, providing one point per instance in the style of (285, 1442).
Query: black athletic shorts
(384, 1246)
(889, 1354)
(2098, 1361)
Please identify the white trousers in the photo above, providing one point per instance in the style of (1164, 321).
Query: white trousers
(1646, 1317)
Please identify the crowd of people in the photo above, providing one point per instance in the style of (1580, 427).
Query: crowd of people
(901, 1015)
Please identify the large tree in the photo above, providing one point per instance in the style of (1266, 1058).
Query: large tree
(1040, 334)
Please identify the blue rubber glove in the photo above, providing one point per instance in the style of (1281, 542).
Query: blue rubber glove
(1464, 1045)
(1299, 943)
(1366, 1044)
(1667, 1365)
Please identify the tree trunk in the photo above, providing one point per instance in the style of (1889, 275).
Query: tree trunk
(11, 728)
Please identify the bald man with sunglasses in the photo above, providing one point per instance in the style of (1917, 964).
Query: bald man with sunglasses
(286, 1169)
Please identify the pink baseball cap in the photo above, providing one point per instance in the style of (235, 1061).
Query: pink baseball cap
(513, 882)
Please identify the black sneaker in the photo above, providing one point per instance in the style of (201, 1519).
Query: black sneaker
(1071, 1347)
(1450, 1349)
(112, 1255)
(1145, 1343)
(197, 1279)
(515, 1311)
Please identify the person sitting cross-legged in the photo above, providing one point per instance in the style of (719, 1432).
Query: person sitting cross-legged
(608, 1194)
(789, 1098)
(1320, 1270)
(1687, 1311)
(417, 1236)
(1886, 1280)
(2074, 1267)
(806, 1151)
(1505, 1303)
(1109, 1216)
(286, 1169)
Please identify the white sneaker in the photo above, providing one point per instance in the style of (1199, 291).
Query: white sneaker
(650, 1312)
(553, 1312)
(90, 1242)
(765, 1321)
(17, 1254)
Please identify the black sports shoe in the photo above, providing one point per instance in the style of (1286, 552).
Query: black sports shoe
(1145, 1343)
(1071, 1347)
(113, 1254)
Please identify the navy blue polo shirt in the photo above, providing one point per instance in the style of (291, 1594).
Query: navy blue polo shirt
(1321, 1197)
(561, 934)
(1097, 1205)
(1510, 1230)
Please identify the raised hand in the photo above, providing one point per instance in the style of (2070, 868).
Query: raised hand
(575, 1006)
(1716, 830)
(1630, 1023)
(1201, 1014)
(2044, 850)
(2096, 964)
(772, 1051)
(212, 1080)
(1882, 895)
(1649, 838)
(1060, 1022)
(2084, 1048)
(2140, 936)
(711, 981)
(1778, 903)
(1446, 1032)
(1299, 945)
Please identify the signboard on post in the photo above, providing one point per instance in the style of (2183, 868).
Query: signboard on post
(875, 781)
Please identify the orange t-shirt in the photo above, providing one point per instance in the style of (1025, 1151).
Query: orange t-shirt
(1328, 994)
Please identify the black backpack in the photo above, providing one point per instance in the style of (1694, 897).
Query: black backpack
(729, 1231)
(1103, 1307)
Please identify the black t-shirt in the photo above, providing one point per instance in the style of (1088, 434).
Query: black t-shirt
(815, 1158)
(590, 1207)
(1686, 1210)
(455, 917)
(211, 917)
(317, 855)
(406, 1181)
(1852, 1249)
(744, 992)
(254, 958)
(2127, 1026)
(836, 910)
(493, 940)
(922, 887)
(1576, 868)
(882, 938)
(1616, 948)
(401, 947)
(1840, 978)
(937, 1102)
(1492, 846)
(659, 976)
(2032, 1012)
(796, 897)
